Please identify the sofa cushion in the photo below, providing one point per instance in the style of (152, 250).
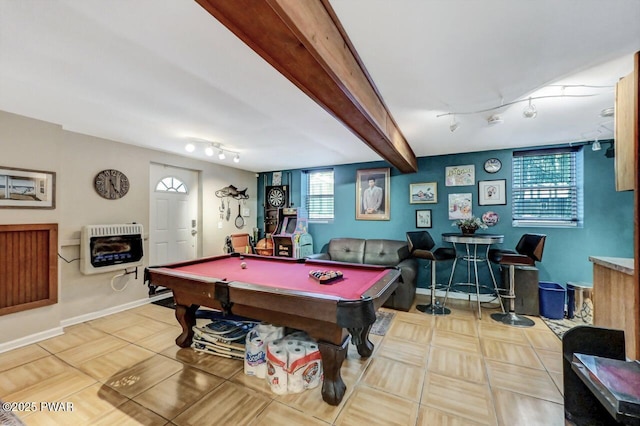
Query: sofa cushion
(385, 252)
(350, 250)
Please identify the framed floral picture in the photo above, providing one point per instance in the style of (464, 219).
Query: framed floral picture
(423, 218)
(423, 193)
(372, 194)
(492, 192)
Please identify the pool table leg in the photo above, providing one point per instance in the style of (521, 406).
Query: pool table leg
(333, 388)
(360, 338)
(186, 316)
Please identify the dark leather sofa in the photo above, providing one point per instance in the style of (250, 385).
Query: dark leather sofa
(378, 252)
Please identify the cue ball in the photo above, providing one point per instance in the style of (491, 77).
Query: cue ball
(243, 265)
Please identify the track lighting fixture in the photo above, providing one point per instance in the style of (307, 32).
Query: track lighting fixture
(530, 110)
(210, 149)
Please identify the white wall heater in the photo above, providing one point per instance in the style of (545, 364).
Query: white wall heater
(105, 248)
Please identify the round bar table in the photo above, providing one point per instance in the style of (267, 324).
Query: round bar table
(472, 255)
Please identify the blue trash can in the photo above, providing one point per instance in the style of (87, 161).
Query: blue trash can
(552, 297)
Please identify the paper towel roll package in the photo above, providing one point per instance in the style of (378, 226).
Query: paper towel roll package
(289, 363)
(296, 364)
(255, 362)
(312, 374)
(277, 375)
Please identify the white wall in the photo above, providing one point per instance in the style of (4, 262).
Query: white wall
(76, 159)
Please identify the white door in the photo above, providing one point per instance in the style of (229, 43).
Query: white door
(173, 221)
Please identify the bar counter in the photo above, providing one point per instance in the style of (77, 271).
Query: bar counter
(614, 295)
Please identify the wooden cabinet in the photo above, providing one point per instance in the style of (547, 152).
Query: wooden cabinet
(614, 299)
(626, 128)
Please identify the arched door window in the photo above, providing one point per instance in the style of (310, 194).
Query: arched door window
(171, 184)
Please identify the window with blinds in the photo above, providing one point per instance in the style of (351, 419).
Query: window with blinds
(319, 194)
(547, 187)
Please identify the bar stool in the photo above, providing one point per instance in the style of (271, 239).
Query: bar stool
(421, 246)
(528, 252)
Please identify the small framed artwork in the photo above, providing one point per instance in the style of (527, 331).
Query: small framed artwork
(460, 206)
(372, 194)
(27, 189)
(423, 193)
(423, 218)
(492, 192)
(460, 175)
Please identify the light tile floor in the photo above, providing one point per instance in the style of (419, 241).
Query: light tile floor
(446, 370)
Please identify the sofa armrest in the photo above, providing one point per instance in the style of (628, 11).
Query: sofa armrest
(319, 256)
(409, 271)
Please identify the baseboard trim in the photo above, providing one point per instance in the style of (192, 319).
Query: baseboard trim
(30, 339)
(57, 331)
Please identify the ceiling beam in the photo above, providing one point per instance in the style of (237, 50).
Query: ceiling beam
(305, 42)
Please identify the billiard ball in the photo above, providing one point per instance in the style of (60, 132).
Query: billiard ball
(243, 265)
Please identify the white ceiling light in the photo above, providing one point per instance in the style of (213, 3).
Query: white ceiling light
(530, 110)
(209, 150)
(221, 155)
(236, 159)
(494, 119)
(607, 112)
(190, 147)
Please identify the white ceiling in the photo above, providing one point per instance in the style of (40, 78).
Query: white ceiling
(160, 73)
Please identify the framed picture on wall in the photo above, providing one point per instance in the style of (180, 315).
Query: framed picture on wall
(423, 193)
(492, 192)
(27, 189)
(372, 194)
(460, 206)
(423, 218)
(460, 175)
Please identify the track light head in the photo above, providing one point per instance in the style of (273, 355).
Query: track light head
(209, 150)
(190, 147)
(221, 155)
(454, 124)
(530, 111)
(494, 119)
(236, 159)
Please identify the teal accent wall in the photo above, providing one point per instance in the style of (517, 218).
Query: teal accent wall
(607, 229)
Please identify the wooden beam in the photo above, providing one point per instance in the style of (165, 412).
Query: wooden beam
(305, 42)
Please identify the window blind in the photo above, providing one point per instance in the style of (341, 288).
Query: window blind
(319, 199)
(545, 187)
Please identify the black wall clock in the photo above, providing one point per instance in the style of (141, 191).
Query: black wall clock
(111, 184)
(492, 165)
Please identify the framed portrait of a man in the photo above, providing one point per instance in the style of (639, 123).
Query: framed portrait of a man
(372, 194)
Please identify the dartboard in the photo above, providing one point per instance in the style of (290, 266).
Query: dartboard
(276, 196)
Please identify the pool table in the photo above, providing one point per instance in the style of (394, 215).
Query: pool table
(280, 291)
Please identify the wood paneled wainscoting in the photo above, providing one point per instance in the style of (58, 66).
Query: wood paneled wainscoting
(28, 266)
